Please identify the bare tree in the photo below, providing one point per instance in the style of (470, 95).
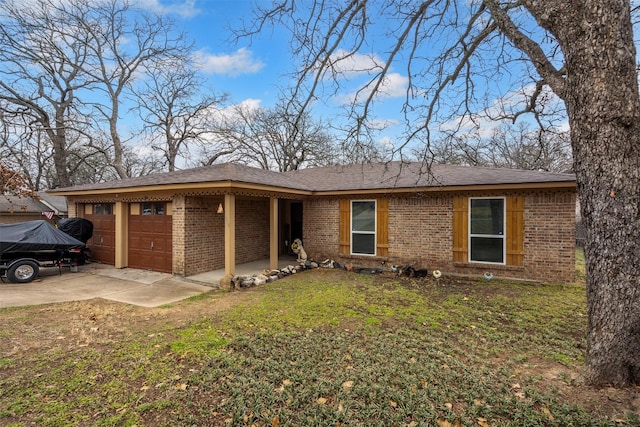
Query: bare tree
(275, 139)
(41, 72)
(175, 108)
(517, 147)
(69, 70)
(582, 50)
(121, 44)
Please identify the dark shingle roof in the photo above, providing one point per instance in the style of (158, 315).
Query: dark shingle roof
(57, 203)
(411, 175)
(370, 176)
(47, 203)
(9, 203)
(215, 173)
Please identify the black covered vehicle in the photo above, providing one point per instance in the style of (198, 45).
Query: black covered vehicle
(80, 228)
(27, 246)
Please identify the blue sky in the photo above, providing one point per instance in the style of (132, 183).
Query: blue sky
(255, 72)
(244, 71)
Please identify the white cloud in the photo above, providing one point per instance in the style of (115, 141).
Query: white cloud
(484, 122)
(235, 64)
(394, 85)
(185, 9)
(231, 112)
(357, 63)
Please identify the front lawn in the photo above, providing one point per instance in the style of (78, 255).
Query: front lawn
(321, 348)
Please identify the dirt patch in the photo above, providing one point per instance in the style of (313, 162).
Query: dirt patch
(98, 321)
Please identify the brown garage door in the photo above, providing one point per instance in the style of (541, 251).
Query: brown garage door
(150, 237)
(103, 241)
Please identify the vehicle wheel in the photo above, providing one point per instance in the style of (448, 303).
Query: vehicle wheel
(23, 271)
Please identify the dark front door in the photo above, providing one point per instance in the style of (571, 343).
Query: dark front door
(296, 221)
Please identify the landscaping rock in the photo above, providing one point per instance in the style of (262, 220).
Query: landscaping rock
(246, 281)
(259, 280)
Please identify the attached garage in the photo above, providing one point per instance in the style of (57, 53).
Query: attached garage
(150, 236)
(103, 241)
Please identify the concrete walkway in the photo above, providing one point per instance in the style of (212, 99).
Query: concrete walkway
(251, 268)
(127, 285)
(130, 286)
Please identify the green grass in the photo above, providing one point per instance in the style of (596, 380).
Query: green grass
(322, 348)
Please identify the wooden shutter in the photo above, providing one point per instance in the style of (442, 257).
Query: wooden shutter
(382, 231)
(345, 227)
(515, 230)
(460, 229)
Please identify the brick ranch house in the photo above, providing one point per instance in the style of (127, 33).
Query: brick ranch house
(458, 219)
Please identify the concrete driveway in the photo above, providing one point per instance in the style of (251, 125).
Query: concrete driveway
(130, 286)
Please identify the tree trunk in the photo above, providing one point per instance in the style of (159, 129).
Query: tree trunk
(58, 137)
(118, 149)
(604, 114)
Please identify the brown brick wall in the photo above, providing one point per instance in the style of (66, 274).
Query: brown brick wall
(198, 233)
(421, 233)
(203, 235)
(550, 235)
(320, 228)
(252, 230)
(178, 235)
(420, 230)
(549, 240)
(72, 209)
(427, 220)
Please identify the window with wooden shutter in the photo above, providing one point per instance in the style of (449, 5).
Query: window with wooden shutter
(381, 230)
(515, 230)
(487, 239)
(460, 229)
(344, 227)
(382, 237)
(363, 227)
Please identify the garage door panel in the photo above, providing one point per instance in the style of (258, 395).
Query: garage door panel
(150, 242)
(108, 240)
(102, 243)
(146, 227)
(161, 244)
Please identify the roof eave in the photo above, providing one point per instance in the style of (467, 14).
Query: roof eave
(243, 186)
(186, 187)
(453, 188)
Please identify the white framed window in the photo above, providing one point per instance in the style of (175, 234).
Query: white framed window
(363, 227)
(487, 224)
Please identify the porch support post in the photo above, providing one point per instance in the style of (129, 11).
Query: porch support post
(121, 212)
(229, 234)
(273, 233)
